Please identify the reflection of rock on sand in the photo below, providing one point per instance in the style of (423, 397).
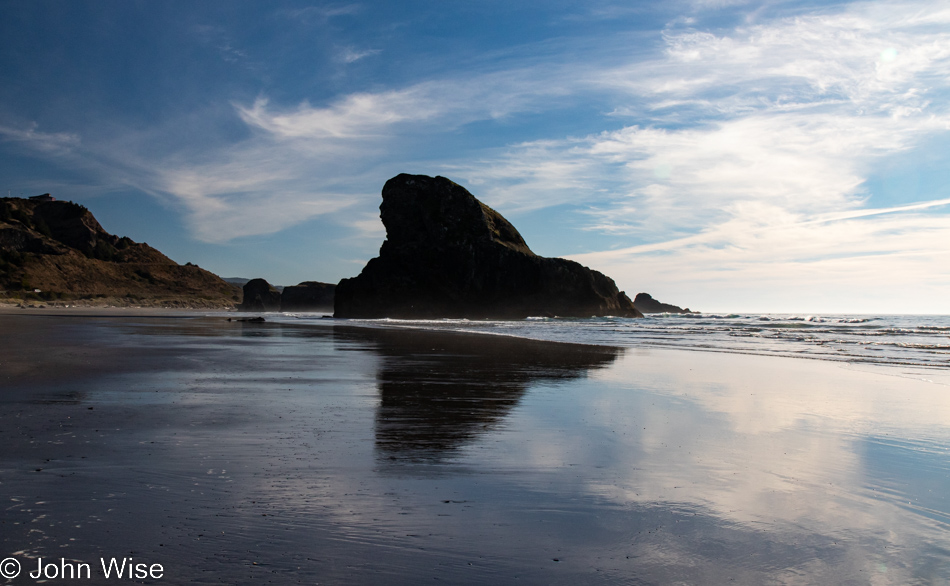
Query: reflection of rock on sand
(439, 390)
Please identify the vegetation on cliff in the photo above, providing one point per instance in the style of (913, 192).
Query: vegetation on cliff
(56, 251)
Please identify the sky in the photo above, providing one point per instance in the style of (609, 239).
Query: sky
(726, 155)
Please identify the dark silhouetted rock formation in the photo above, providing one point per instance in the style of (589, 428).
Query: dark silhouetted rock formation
(259, 295)
(307, 296)
(447, 254)
(56, 251)
(647, 304)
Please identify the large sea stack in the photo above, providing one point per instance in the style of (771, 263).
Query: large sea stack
(447, 254)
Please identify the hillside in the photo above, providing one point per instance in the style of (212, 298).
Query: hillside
(56, 252)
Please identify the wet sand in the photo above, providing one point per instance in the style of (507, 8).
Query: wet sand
(240, 453)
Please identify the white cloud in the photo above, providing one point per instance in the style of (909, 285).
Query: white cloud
(806, 59)
(753, 170)
(357, 116)
(852, 265)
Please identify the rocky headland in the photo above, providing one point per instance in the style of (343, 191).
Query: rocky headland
(447, 254)
(647, 304)
(55, 252)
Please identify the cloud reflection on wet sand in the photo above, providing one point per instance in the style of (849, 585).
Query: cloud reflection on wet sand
(276, 452)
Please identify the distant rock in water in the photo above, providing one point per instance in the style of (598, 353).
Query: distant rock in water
(447, 254)
(647, 304)
(308, 296)
(259, 295)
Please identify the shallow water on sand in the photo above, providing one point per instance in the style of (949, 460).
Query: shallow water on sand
(270, 452)
(895, 340)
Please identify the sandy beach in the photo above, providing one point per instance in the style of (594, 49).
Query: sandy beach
(320, 453)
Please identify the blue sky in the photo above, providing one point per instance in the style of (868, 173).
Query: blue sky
(721, 154)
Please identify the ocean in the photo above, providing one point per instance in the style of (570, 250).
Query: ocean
(896, 340)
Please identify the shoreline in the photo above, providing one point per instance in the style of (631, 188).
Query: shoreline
(939, 371)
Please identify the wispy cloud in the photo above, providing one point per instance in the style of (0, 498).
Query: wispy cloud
(351, 55)
(46, 142)
(315, 160)
(322, 14)
(261, 188)
(218, 38)
(356, 116)
(448, 103)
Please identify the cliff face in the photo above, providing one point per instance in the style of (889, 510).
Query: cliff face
(59, 248)
(447, 254)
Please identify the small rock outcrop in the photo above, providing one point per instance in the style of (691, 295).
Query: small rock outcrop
(307, 296)
(259, 295)
(647, 304)
(447, 254)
